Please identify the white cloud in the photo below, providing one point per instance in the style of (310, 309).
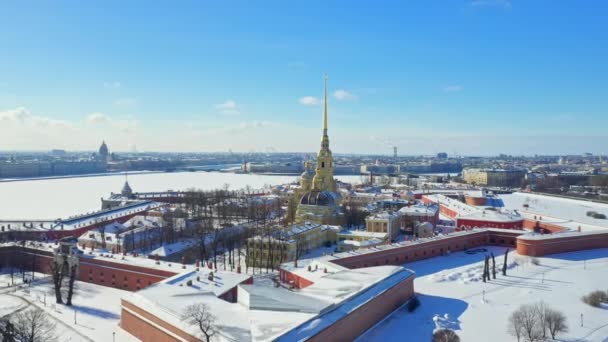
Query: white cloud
(309, 101)
(112, 85)
(452, 88)
(228, 107)
(343, 95)
(95, 118)
(19, 114)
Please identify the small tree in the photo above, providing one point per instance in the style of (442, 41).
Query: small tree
(530, 322)
(504, 265)
(556, 322)
(57, 274)
(7, 331)
(445, 335)
(541, 313)
(33, 326)
(493, 266)
(515, 327)
(200, 315)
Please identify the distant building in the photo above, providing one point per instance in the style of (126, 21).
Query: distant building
(414, 215)
(288, 244)
(385, 222)
(350, 240)
(494, 177)
(103, 151)
(442, 155)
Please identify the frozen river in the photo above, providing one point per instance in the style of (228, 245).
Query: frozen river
(62, 197)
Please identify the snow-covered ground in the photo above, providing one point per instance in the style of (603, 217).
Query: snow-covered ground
(453, 295)
(97, 309)
(565, 210)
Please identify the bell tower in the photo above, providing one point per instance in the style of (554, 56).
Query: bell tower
(324, 172)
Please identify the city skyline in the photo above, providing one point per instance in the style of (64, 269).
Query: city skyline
(463, 77)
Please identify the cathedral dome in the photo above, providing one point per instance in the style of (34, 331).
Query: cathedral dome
(126, 190)
(307, 174)
(103, 149)
(323, 198)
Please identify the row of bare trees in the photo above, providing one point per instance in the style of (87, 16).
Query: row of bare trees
(532, 322)
(224, 220)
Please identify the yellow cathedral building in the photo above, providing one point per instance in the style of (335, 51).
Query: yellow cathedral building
(319, 200)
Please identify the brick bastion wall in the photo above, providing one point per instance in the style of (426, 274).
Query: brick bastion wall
(366, 316)
(429, 248)
(91, 270)
(539, 245)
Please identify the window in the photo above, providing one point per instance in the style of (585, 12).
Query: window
(322, 164)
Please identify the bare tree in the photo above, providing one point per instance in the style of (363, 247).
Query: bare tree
(102, 231)
(556, 322)
(445, 335)
(541, 313)
(57, 273)
(530, 322)
(515, 327)
(504, 265)
(493, 266)
(200, 315)
(7, 331)
(33, 326)
(72, 277)
(524, 322)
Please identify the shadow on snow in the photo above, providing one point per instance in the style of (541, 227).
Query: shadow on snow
(417, 325)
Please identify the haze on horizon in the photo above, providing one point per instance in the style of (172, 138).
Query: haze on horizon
(468, 77)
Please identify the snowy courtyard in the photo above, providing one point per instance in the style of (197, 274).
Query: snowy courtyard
(453, 295)
(93, 317)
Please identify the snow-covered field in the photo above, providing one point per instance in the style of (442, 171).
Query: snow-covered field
(97, 309)
(453, 295)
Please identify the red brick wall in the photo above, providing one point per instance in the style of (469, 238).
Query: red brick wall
(550, 244)
(145, 326)
(360, 320)
(433, 248)
(298, 282)
(468, 223)
(547, 227)
(100, 272)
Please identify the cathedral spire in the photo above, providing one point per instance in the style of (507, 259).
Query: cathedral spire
(325, 108)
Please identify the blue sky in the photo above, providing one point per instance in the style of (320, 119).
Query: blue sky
(466, 77)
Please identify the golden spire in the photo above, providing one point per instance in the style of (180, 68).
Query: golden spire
(325, 108)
